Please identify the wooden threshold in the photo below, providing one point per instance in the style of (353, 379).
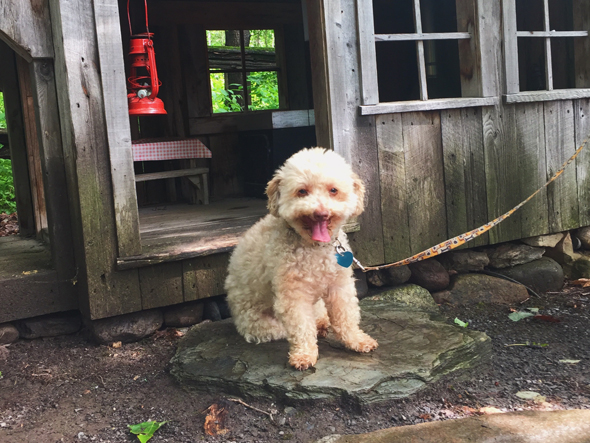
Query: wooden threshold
(29, 286)
(182, 231)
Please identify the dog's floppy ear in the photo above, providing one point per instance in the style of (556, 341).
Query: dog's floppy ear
(359, 190)
(272, 191)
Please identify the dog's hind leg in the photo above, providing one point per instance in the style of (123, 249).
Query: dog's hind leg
(259, 327)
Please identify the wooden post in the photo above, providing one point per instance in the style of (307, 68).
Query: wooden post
(86, 137)
(54, 174)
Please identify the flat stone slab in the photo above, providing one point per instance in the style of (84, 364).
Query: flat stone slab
(518, 427)
(414, 349)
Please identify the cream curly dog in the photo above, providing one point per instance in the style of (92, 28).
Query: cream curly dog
(284, 280)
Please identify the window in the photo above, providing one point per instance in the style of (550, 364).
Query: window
(418, 55)
(545, 56)
(243, 70)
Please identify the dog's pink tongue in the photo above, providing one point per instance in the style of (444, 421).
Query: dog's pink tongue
(319, 231)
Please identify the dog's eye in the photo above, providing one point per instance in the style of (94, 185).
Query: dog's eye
(333, 191)
(302, 192)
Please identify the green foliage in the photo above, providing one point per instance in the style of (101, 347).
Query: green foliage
(145, 430)
(2, 112)
(7, 203)
(262, 87)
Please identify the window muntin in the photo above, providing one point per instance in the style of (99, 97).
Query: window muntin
(243, 70)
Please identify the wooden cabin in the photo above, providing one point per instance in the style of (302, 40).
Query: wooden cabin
(452, 112)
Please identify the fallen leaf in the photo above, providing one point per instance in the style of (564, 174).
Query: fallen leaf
(486, 410)
(461, 323)
(569, 362)
(425, 416)
(531, 395)
(214, 422)
(145, 430)
(116, 344)
(583, 282)
(519, 315)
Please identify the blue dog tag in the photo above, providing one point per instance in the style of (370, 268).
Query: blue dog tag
(344, 259)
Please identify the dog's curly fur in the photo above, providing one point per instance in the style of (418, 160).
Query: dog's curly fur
(283, 280)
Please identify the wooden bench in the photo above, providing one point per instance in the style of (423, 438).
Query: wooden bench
(174, 149)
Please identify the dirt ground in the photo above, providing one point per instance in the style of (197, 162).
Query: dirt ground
(66, 389)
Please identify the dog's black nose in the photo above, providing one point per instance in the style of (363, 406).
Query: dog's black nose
(321, 215)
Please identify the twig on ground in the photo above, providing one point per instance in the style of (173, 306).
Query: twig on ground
(237, 400)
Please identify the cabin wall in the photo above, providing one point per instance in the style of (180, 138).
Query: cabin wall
(444, 172)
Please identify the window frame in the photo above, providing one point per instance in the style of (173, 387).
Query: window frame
(370, 103)
(511, 35)
(243, 71)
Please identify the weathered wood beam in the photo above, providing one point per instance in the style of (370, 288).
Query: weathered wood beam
(26, 27)
(85, 143)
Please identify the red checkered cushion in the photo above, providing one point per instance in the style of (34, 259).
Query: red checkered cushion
(168, 149)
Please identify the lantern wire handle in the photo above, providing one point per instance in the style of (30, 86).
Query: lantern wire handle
(147, 27)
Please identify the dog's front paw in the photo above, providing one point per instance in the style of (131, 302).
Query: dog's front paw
(302, 361)
(363, 343)
(323, 329)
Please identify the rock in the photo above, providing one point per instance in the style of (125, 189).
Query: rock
(429, 274)
(393, 276)
(407, 297)
(185, 314)
(413, 351)
(580, 268)
(396, 275)
(469, 289)
(126, 328)
(360, 282)
(8, 333)
(543, 275)
(465, 261)
(544, 241)
(571, 426)
(49, 325)
(563, 253)
(512, 254)
(583, 235)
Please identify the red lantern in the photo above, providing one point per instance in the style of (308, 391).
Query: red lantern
(143, 82)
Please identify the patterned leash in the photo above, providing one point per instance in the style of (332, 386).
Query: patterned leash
(468, 236)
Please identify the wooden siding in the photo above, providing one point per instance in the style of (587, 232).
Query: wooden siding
(493, 158)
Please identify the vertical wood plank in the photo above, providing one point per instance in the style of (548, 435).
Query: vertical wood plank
(88, 167)
(582, 119)
(581, 14)
(195, 69)
(464, 172)
(469, 54)
(367, 54)
(562, 194)
(34, 158)
(510, 46)
(118, 132)
(161, 285)
(353, 136)
(489, 27)
(424, 179)
(502, 174)
(204, 276)
(54, 176)
(17, 140)
(532, 167)
(394, 196)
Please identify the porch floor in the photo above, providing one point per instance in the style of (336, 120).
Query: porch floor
(183, 231)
